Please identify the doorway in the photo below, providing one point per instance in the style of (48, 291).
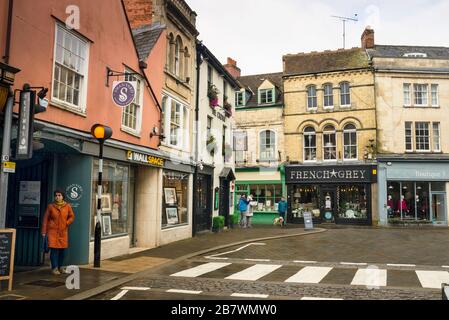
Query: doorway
(203, 219)
(439, 207)
(328, 204)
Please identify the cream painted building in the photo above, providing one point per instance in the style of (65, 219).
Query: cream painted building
(412, 98)
(330, 136)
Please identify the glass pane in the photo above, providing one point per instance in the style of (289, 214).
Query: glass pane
(305, 199)
(353, 202)
(407, 201)
(62, 92)
(393, 200)
(59, 51)
(76, 97)
(438, 186)
(422, 200)
(439, 207)
(174, 198)
(56, 89)
(69, 95)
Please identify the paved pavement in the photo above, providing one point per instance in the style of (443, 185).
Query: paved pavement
(40, 284)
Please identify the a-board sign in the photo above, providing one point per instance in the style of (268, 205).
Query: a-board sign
(308, 222)
(7, 247)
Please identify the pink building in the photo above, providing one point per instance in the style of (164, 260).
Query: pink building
(68, 46)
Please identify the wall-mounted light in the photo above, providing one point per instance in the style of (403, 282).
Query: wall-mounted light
(155, 133)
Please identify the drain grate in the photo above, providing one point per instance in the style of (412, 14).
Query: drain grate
(46, 283)
(12, 297)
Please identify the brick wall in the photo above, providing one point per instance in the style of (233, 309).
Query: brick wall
(139, 12)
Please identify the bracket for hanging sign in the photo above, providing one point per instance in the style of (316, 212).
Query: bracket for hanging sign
(112, 73)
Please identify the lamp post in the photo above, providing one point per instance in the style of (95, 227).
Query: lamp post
(101, 133)
(7, 75)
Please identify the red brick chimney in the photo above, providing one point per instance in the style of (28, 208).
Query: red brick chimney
(139, 12)
(368, 38)
(232, 68)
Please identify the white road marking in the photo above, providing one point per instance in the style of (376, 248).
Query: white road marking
(201, 269)
(432, 279)
(300, 261)
(309, 275)
(315, 298)
(183, 291)
(238, 249)
(216, 258)
(370, 277)
(249, 295)
(255, 272)
(120, 295)
(136, 288)
(354, 263)
(400, 265)
(445, 266)
(258, 260)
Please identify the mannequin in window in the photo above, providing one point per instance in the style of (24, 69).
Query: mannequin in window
(403, 205)
(390, 205)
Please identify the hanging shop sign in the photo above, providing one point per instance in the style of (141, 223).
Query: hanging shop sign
(145, 158)
(123, 92)
(330, 174)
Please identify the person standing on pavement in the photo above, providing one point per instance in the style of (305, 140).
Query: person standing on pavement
(250, 211)
(55, 225)
(282, 209)
(243, 207)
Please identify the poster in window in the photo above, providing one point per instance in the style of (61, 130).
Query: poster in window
(106, 224)
(170, 196)
(172, 215)
(106, 202)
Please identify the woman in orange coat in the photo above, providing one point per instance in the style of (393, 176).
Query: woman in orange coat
(58, 216)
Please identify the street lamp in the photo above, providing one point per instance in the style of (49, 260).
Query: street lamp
(101, 133)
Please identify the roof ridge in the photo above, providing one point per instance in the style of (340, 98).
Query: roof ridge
(323, 52)
(262, 74)
(407, 45)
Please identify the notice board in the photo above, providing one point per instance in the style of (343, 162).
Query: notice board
(7, 247)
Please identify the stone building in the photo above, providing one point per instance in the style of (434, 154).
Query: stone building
(330, 136)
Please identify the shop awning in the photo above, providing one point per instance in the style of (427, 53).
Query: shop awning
(227, 173)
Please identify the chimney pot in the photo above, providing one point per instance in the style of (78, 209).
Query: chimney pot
(368, 38)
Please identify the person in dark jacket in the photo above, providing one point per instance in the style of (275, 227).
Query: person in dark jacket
(243, 207)
(282, 209)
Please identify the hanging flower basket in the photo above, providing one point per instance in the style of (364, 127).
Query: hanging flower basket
(213, 102)
(212, 94)
(228, 109)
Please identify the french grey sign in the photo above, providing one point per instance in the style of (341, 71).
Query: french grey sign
(330, 174)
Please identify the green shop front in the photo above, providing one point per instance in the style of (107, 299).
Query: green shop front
(266, 186)
(339, 194)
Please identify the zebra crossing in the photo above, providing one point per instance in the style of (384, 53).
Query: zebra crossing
(369, 276)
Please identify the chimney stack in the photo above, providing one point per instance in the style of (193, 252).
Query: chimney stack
(368, 38)
(139, 12)
(232, 68)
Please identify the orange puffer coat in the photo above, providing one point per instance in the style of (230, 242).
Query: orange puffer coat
(56, 225)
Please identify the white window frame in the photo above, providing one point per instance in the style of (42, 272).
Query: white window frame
(274, 144)
(407, 94)
(306, 135)
(420, 136)
(328, 96)
(237, 95)
(351, 143)
(348, 93)
(434, 92)
(261, 91)
(334, 133)
(424, 96)
(82, 98)
(436, 136)
(409, 127)
(139, 95)
(183, 133)
(313, 98)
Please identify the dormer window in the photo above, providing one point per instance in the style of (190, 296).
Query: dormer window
(415, 55)
(266, 96)
(240, 98)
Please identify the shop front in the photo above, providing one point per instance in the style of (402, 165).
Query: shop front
(334, 194)
(412, 192)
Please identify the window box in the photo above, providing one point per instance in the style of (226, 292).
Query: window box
(212, 94)
(227, 108)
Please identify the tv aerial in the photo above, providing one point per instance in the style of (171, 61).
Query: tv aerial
(344, 19)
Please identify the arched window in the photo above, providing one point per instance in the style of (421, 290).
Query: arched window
(267, 145)
(328, 96)
(186, 63)
(329, 143)
(350, 142)
(309, 144)
(178, 62)
(345, 96)
(311, 97)
(171, 52)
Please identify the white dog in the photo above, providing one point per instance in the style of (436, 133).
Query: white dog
(278, 220)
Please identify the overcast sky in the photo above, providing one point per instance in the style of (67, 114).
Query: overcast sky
(257, 33)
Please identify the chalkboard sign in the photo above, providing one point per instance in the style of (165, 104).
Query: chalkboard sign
(7, 247)
(308, 222)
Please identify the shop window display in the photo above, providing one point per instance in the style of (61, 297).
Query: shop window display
(266, 195)
(305, 199)
(352, 202)
(174, 198)
(117, 200)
